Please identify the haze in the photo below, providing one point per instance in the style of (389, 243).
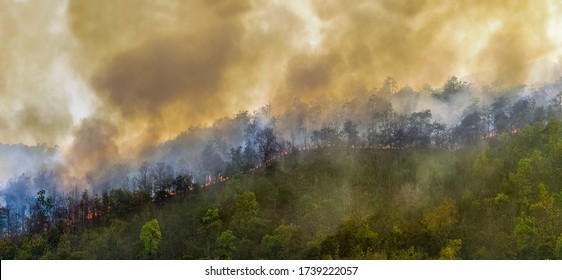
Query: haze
(105, 80)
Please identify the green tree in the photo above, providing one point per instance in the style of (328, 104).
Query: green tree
(451, 251)
(40, 213)
(525, 233)
(354, 240)
(246, 207)
(34, 248)
(441, 221)
(211, 216)
(227, 244)
(63, 247)
(284, 243)
(559, 247)
(151, 236)
(212, 226)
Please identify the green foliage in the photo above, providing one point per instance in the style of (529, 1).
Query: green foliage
(46, 203)
(499, 199)
(284, 243)
(34, 248)
(558, 199)
(211, 216)
(354, 240)
(227, 244)
(451, 251)
(7, 249)
(111, 242)
(441, 221)
(525, 234)
(63, 250)
(246, 207)
(559, 247)
(151, 236)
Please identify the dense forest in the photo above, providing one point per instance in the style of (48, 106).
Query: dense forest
(374, 178)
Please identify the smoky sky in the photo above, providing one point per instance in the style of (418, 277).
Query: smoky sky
(33, 104)
(107, 78)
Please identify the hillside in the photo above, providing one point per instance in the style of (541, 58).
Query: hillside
(495, 198)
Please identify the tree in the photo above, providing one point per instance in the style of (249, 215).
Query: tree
(16, 197)
(451, 251)
(452, 87)
(388, 87)
(398, 132)
(251, 158)
(63, 248)
(525, 233)
(85, 207)
(227, 244)
(40, 212)
(350, 130)
(240, 122)
(555, 106)
(325, 136)
(419, 129)
(441, 221)
(470, 128)
(522, 112)
(246, 207)
(212, 226)
(212, 157)
(354, 240)
(501, 121)
(536, 228)
(34, 248)
(440, 135)
(144, 180)
(558, 252)
(4, 218)
(163, 175)
(236, 165)
(381, 117)
(150, 237)
(268, 146)
(284, 243)
(183, 183)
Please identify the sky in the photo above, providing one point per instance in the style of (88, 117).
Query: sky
(105, 79)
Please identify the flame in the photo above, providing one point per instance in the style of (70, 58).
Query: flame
(489, 135)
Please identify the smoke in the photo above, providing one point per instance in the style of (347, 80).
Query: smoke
(34, 103)
(109, 81)
(427, 41)
(19, 158)
(93, 147)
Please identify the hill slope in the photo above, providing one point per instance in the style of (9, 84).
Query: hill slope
(494, 199)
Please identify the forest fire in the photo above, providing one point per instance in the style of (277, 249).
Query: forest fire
(280, 130)
(489, 135)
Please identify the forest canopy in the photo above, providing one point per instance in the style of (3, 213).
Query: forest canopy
(351, 182)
